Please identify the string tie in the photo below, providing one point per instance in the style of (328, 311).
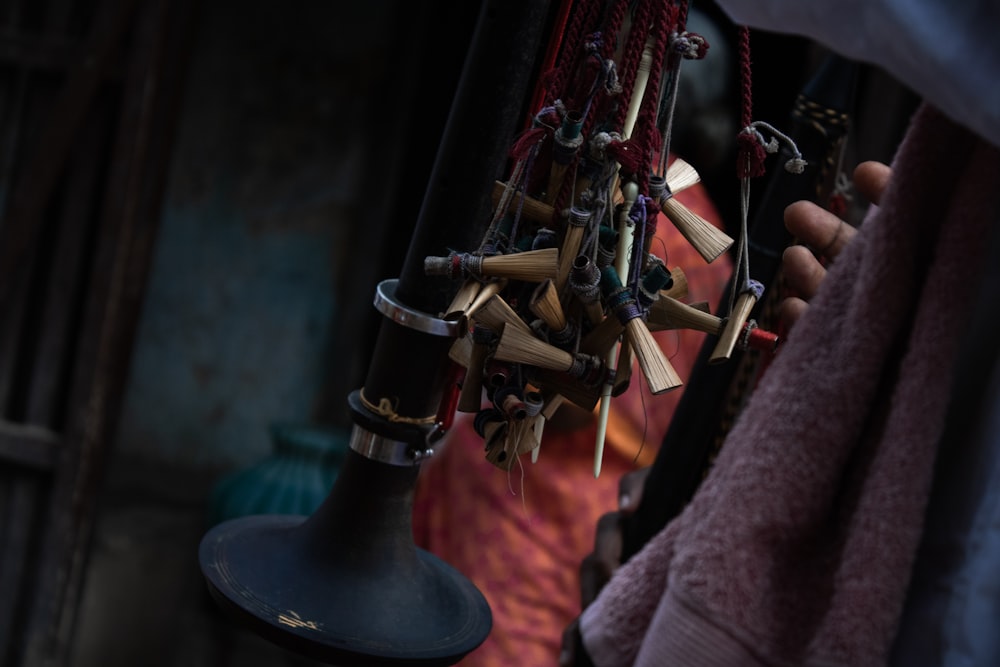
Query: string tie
(753, 146)
(386, 409)
(689, 45)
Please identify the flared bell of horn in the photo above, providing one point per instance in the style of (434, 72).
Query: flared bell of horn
(347, 586)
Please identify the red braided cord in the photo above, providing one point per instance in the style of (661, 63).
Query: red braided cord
(646, 133)
(746, 91)
(750, 154)
(551, 55)
(612, 27)
(582, 17)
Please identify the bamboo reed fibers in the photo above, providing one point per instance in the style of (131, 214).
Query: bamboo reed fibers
(488, 291)
(578, 221)
(545, 305)
(602, 338)
(496, 314)
(470, 399)
(660, 375)
(669, 313)
(679, 284)
(706, 238)
(681, 175)
(461, 351)
(530, 266)
(734, 325)
(464, 298)
(523, 348)
(531, 209)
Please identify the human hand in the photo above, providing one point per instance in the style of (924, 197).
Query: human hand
(598, 566)
(827, 234)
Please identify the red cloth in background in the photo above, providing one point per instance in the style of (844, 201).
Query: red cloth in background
(520, 536)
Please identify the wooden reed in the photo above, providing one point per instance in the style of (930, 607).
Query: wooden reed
(538, 428)
(571, 390)
(679, 284)
(525, 439)
(488, 291)
(532, 209)
(568, 254)
(545, 305)
(461, 351)
(470, 399)
(602, 338)
(556, 175)
(498, 451)
(669, 313)
(552, 403)
(464, 298)
(523, 348)
(706, 238)
(681, 175)
(532, 266)
(660, 375)
(623, 369)
(496, 313)
(734, 326)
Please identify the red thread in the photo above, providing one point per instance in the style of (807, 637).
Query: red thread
(527, 140)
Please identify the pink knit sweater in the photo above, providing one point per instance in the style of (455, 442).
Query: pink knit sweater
(798, 546)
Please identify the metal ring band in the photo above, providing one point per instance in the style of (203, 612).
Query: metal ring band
(387, 304)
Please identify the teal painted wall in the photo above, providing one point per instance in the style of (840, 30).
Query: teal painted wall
(241, 302)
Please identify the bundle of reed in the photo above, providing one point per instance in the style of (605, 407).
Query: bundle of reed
(532, 209)
(496, 314)
(470, 398)
(546, 306)
(736, 322)
(706, 238)
(521, 347)
(669, 313)
(659, 374)
(530, 266)
(579, 220)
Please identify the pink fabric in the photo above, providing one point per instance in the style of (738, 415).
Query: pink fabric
(797, 549)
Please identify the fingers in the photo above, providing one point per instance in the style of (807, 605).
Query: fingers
(870, 178)
(818, 228)
(803, 272)
(597, 568)
(567, 654)
(791, 309)
(630, 488)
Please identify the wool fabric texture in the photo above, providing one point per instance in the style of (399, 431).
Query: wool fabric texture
(797, 549)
